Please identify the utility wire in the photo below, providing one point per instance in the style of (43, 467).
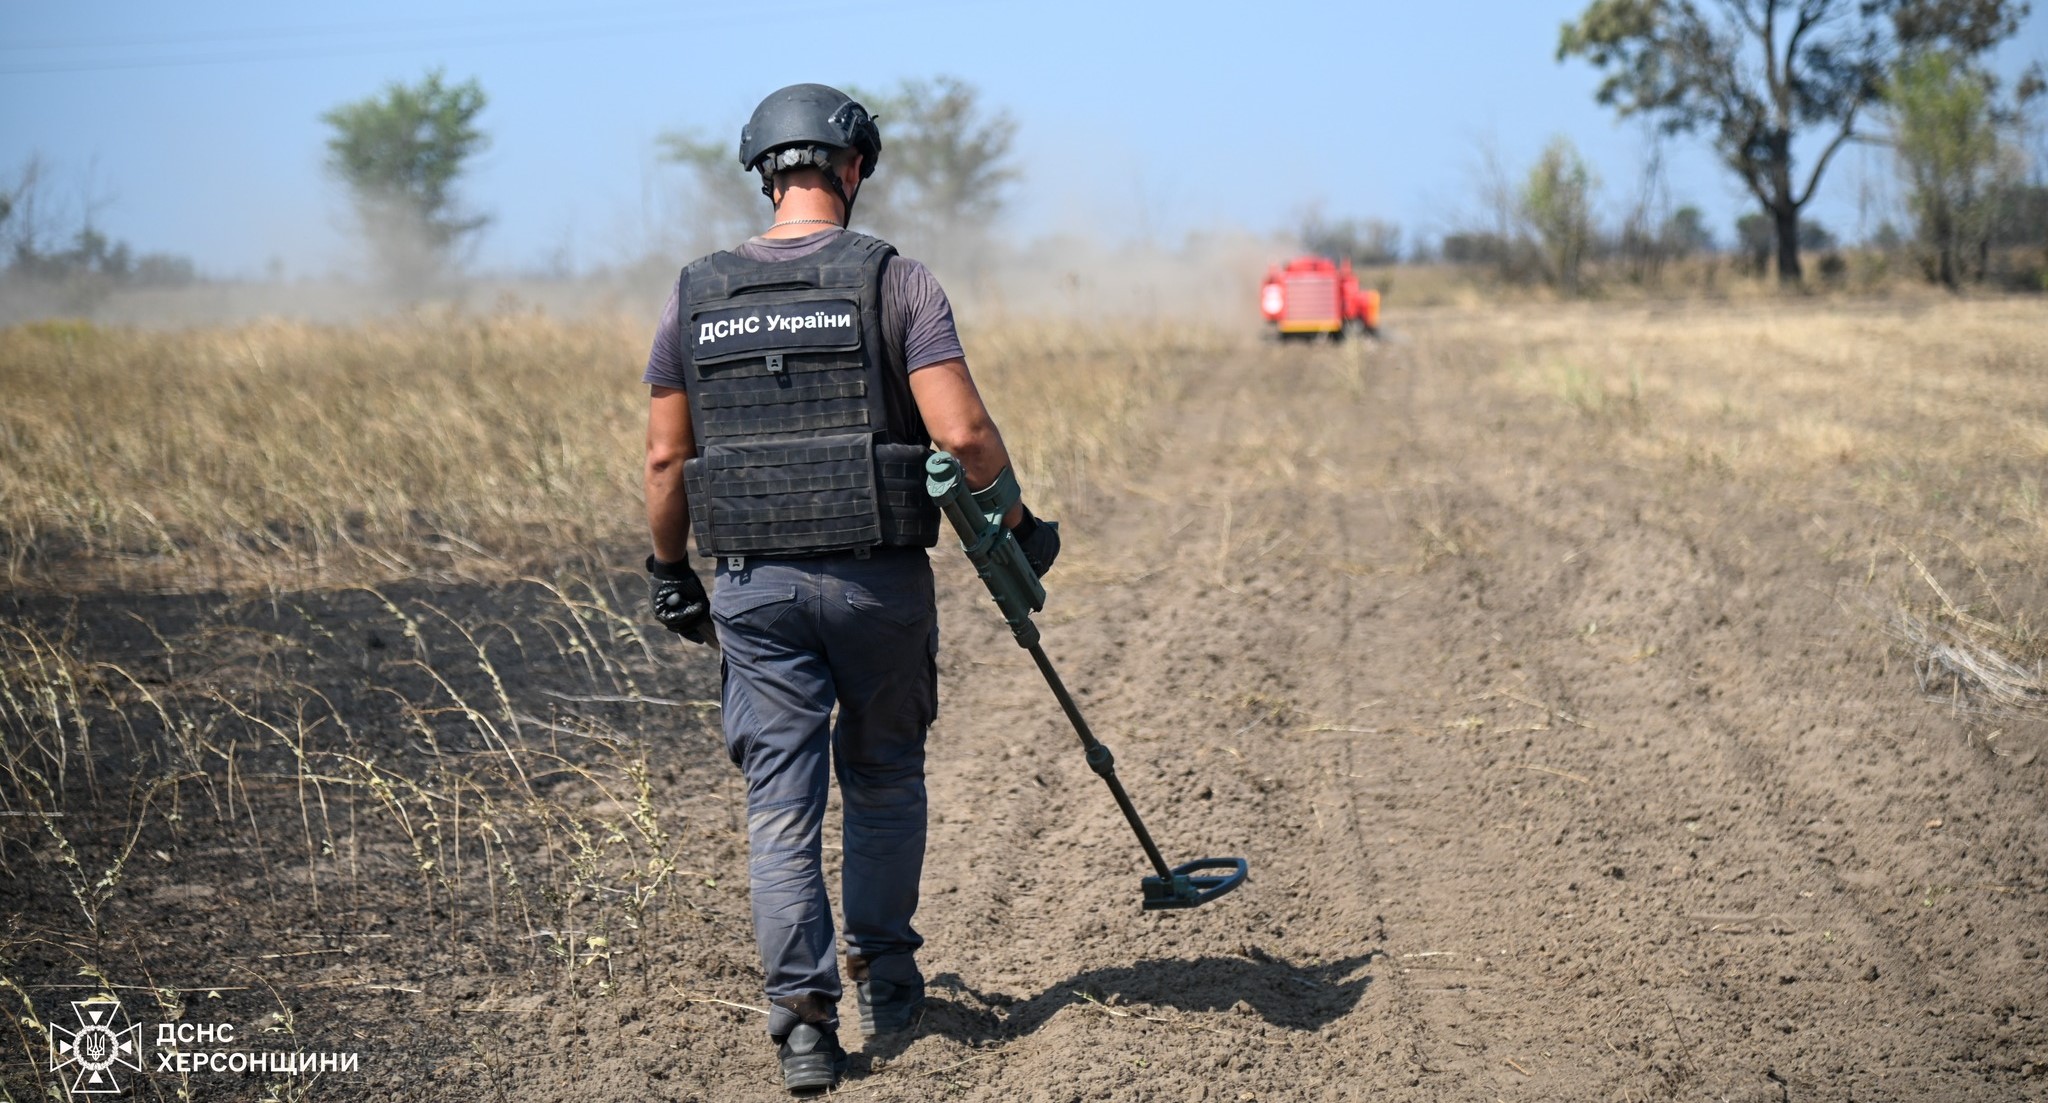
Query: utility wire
(674, 21)
(228, 37)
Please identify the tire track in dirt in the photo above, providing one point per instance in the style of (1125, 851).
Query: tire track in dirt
(1494, 854)
(1736, 771)
(1633, 832)
(1794, 693)
(1190, 692)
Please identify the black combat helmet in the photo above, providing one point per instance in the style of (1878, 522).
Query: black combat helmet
(804, 124)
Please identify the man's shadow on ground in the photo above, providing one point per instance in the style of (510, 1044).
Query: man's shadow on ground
(1295, 997)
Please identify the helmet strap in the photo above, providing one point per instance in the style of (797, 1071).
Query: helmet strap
(845, 200)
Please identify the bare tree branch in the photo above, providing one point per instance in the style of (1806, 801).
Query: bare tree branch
(1848, 132)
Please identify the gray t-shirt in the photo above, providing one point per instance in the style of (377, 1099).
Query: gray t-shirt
(916, 316)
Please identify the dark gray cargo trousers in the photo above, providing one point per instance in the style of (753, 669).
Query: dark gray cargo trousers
(799, 636)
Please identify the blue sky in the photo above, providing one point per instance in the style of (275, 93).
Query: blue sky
(197, 124)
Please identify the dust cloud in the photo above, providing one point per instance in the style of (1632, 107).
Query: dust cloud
(1207, 275)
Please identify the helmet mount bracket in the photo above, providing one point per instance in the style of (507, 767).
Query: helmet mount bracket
(780, 161)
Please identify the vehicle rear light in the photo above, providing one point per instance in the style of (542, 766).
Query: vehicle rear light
(1271, 301)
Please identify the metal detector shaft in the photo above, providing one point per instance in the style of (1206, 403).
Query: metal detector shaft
(1015, 590)
(977, 517)
(1099, 758)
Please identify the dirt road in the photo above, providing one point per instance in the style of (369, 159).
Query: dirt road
(1558, 779)
(1561, 776)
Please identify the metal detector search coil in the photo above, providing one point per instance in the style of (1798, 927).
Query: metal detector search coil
(977, 517)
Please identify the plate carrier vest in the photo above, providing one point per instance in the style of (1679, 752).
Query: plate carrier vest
(808, 439)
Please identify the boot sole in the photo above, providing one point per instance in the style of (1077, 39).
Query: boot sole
(811, 1072)
(899, 1021)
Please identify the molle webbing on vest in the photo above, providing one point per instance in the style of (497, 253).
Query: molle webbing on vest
(746, 499)
(909, 519)
(808, 441)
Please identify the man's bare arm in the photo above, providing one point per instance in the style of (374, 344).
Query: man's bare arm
(959, 423)
(670, 441)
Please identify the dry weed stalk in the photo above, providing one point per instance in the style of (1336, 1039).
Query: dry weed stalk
(512, 832)
(1966, 655)
(1976, 660)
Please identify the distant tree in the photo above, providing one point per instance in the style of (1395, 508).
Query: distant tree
(1640, 244)
(942, 184)
(78, 276)
(1686, 232)
(948, 156)
(1816, 238)
(1758, 74)
(1499, 236)
(1557, 202)
(163, 270)
(400, 154)
(1648, 237)
(22, 223)
(1367, 241)
(93, 251)
(946, 168)
(1946, 136)
(95, 258)
(724, 200)
(2020, 216)
(1476, 247)
(1755, 238)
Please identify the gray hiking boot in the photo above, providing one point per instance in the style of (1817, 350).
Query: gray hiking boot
(886, 1008)
(812, 1059)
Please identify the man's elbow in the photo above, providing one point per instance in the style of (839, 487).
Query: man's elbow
(665, 460)
(968, 439)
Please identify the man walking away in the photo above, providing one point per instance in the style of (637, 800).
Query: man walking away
(797, 385)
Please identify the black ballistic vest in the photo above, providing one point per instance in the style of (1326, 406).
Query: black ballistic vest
(808, 440)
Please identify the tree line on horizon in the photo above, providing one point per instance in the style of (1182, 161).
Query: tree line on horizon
(1756, 76)
(54, 244)
(1761, 80)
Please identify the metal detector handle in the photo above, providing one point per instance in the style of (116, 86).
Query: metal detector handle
(989, 546)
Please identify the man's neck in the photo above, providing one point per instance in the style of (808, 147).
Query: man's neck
(785, 230)
(805, 211)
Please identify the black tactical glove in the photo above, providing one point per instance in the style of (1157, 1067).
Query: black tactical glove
(1038, 540)
(679, 600)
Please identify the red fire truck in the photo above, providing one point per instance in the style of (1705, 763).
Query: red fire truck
(1315, 295)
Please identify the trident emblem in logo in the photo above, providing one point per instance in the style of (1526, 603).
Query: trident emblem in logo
(97, 1047)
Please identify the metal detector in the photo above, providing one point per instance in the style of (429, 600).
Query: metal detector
(977, 517)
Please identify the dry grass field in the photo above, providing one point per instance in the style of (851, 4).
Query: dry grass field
(294, 454)
(1626, 701)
